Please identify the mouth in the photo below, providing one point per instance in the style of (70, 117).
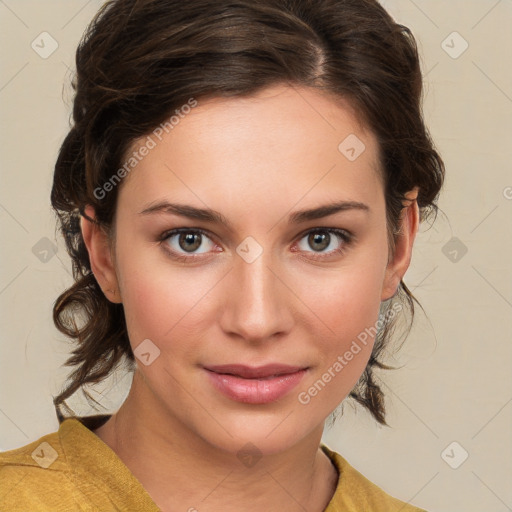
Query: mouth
(257, 372)
(255, 385)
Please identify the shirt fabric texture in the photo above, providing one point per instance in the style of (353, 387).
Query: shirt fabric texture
(74, 470)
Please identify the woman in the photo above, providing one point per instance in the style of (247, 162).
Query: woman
(239, 194)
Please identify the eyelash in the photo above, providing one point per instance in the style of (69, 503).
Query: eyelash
(346, 237)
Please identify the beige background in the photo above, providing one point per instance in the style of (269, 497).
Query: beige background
(456, 384)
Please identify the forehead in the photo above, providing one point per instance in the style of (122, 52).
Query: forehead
(283, 145)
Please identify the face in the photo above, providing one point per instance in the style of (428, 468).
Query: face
(254, 316)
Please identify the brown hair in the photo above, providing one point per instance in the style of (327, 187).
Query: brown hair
(140, 60)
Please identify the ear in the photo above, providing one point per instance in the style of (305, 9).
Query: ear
(408, 227)
(100, 256)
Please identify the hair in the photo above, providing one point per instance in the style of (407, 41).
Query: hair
(140, 60)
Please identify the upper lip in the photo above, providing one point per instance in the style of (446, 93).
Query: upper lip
(255, 372)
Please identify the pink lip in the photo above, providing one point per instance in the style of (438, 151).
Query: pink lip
(255, 385)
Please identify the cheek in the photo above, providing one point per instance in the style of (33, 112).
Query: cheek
(348, 299)
(162, 301)
(157, 302)
(350, 310)
(345, 311)
(145, 291)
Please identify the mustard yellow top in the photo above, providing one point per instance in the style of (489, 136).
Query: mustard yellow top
(74, 470)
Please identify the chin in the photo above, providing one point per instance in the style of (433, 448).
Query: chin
(265, 433)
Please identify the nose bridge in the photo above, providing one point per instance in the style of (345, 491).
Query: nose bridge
(256, 307)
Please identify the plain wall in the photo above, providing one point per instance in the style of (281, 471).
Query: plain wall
(455, 384)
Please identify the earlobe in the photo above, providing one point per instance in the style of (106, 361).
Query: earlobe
(404, 240)
(98, 246)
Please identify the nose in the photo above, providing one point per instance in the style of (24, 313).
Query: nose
(256, 301)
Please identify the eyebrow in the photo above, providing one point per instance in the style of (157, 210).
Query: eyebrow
(209, 215)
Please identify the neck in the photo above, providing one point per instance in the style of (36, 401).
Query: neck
(182, 471)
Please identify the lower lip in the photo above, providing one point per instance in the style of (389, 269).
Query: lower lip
(255, 391)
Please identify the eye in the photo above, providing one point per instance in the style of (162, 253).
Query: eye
(183, 243)
(325, 242)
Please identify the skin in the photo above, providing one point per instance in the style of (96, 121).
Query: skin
(255, 160)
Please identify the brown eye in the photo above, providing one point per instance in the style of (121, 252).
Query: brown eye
(183, 241)
(325, 242)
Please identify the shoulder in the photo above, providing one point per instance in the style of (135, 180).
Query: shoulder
(355, 492)
(31, 475)
(70, 470)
